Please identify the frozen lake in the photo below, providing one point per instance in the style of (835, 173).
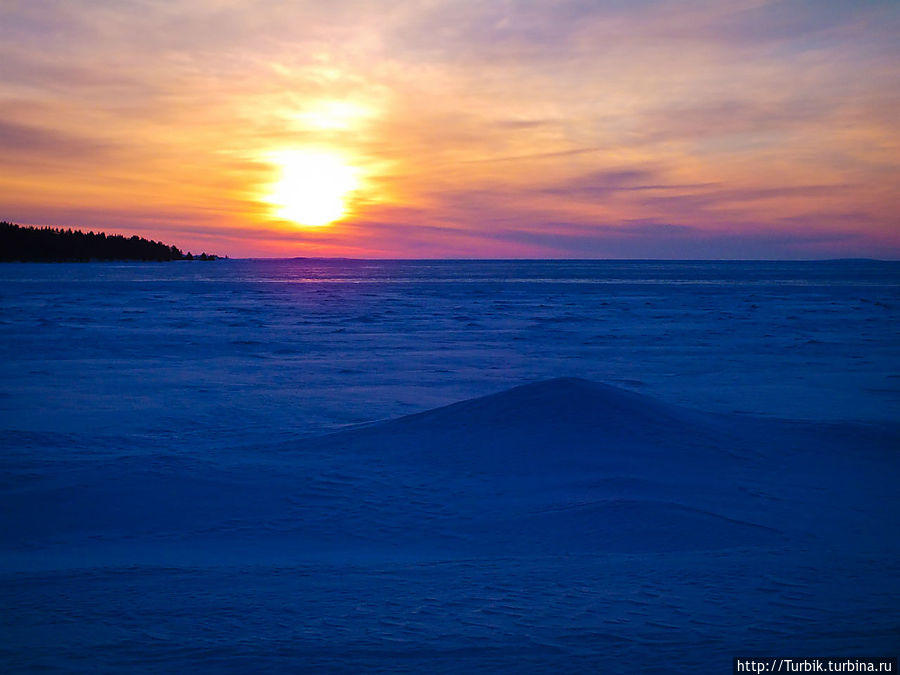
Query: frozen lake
(277, 348)
(190, 480)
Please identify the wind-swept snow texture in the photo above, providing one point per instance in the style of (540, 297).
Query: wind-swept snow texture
(209, 470)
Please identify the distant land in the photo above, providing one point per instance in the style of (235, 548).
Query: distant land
(48, 244)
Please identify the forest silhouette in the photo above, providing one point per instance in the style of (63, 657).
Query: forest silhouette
(48, 244)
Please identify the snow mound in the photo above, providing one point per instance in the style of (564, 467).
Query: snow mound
(563, 401)
(564, 465)
(564, 424)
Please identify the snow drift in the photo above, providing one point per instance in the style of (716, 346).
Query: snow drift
(565, 465)
(562, 526)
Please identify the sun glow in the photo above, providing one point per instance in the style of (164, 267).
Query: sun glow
(312, 188)
(332, 115)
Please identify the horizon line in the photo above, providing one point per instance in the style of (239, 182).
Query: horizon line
(656, 260)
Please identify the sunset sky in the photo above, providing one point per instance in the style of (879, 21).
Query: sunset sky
(456, 128)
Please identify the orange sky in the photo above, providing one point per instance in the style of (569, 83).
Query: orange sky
(682, 129)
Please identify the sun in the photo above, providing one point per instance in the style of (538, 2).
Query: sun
(312, 188)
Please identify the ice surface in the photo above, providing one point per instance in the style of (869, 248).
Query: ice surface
(334, 465)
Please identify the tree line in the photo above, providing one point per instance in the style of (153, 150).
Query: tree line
(49, 244)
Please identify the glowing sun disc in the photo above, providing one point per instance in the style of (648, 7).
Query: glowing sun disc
(312, 188)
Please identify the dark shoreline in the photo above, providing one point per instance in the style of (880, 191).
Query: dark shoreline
(48, 244)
